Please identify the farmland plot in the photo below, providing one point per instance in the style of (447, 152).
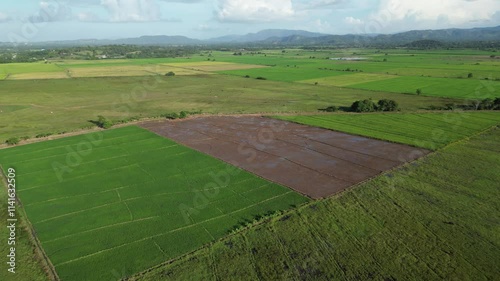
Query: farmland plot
(124, 200)
(427, 130)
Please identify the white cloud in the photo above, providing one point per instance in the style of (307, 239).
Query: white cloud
(52, 11)
(354, 21)
(254, 11)
(321, 4)
(396, 15)
(322, 26)
(88, 17)
(132, 10)
(4, 17)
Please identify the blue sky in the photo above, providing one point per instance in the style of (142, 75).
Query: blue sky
(31, 20)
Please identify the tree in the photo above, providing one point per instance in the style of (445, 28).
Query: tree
(487, 104)
(419, 92)
(363, 106)
(470, 75)
(387, 105)
(170, 73)
(496, 104)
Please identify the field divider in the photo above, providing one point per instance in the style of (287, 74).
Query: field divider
(172, 231)
(77, 212)
(159, 248)
(153, 195)
(102, 227)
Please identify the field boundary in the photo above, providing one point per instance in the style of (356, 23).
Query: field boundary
(78, 132)
(40, 254)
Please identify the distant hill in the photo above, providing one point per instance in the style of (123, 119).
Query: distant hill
(425, 44)
(265, 35)
(399, 39)
(286, 37)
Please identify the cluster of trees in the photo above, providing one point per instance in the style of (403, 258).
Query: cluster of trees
(486, 104)
(9, 55)
(369, 106)
(181, 115)
(103, 122)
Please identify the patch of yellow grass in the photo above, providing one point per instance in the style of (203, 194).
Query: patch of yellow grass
(350, 79)
(38, 75)
(132, 70)
(214, 66)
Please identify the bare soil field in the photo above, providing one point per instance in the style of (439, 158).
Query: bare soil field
(313, 161)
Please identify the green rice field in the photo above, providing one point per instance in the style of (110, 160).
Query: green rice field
(127, 198)
(427, 130)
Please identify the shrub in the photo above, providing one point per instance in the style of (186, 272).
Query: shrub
(43, 135)
(170, 73)
(261, 78)
(171, 116)
(331, 109)
(104, 123)
(470, 75)
(183, 115)
(25, 138)
(12, 141)
(487, 104)
(419, 92)
(496, 104)
(387, 105)
(363, 106)
(450, 106)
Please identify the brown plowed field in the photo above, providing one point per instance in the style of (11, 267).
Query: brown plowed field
(313, 161)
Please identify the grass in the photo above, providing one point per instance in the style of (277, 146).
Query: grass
(427, 130)
(350, 79)
(442, 87)
(62, 105)
(127, 198)
(28, 265)
(129, 70)
(436, 219)
(286, 74)
(214, 66)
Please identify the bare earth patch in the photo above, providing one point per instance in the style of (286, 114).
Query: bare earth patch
(313, 161)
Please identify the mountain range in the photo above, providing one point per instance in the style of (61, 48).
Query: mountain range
(299, 37)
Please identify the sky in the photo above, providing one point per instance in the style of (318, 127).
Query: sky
(48, 20)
